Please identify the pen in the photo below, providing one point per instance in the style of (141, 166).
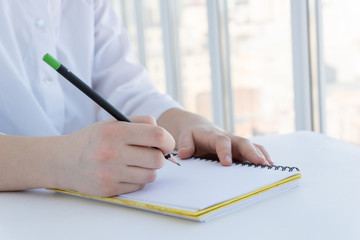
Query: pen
(91, 93)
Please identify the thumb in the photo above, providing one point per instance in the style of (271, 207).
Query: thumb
(186, 145)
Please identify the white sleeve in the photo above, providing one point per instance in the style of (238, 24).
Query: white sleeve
(116, 75)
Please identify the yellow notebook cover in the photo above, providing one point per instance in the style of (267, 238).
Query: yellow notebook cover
(201, 190)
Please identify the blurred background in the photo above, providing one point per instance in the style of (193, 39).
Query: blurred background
(236, 62)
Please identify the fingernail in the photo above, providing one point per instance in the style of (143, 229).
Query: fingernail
(184, 148)
(228, 160)
(262, 157)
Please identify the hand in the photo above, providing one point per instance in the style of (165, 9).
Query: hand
(207, 141)
(196, 136)
(111, 157)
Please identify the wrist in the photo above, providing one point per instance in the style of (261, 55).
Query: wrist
(51, 164)
(60, 162)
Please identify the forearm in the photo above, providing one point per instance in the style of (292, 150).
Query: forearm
(105, 159)
(28, 162)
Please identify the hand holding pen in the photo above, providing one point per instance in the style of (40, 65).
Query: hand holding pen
(91, 94)
(110, 157)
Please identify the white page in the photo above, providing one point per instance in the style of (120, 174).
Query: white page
(198, 184)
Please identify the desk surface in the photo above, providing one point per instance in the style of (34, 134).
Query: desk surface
(324, 206)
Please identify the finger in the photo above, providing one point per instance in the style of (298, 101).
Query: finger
(145, 157)
(186, 145)
(265, 153)
(140, 134)
(115, 189)
(137, 175)
(248, 151)
(144, 119)
(262, 155)
(223, 150)
(124, 187)
(129, 187)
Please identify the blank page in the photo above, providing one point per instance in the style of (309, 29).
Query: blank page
(198, 184)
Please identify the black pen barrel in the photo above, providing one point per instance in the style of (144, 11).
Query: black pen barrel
(91, 94)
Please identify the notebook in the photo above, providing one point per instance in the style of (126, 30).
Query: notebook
(203, 189)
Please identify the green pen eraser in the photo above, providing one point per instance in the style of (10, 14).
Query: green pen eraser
(51, 61)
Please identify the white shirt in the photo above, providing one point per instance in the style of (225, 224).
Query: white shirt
(86, 37)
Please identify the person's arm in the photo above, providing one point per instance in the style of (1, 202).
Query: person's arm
(28, 162)
(196, 136)
(105, 159)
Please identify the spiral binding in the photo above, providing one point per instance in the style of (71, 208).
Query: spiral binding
(275, 167)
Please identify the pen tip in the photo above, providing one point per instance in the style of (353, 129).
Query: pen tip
(171, 158)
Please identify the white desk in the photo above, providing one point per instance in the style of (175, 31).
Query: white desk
(324, 206)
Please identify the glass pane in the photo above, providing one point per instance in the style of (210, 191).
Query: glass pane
(341, 39)
(195, 60)
(261, 66)
(154, 43)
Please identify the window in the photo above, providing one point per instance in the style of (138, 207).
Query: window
(194, 54)
(261, 68)
(268, 46)
(341, 41)
(154, 50)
